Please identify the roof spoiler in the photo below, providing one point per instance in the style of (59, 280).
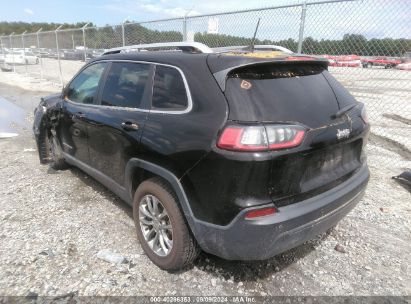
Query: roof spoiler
(221, 76)
(189, 47)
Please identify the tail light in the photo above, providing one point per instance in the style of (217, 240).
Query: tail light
(256, 213)
(261, 138)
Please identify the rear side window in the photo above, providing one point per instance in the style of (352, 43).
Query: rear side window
(169, 92)
(126, 85)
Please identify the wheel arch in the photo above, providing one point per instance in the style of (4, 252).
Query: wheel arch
(138, 170)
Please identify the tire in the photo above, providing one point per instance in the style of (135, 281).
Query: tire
(57, 161)
(184, 248)
(43, 147)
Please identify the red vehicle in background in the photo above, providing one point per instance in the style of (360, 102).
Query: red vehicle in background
(344, 60)
(386, 62)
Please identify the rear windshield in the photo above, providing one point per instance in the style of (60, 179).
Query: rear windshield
(281, 93)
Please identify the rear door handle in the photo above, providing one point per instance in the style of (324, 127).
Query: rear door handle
(129, 126)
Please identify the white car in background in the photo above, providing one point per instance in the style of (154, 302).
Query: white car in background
(21, 57)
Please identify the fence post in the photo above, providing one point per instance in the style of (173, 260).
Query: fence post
(185, 28)
(58, 55)
(122, 33)
(24, 50)
(302, 23)
(84, 40)
(2, 46)
(12, 52)
(41, 58)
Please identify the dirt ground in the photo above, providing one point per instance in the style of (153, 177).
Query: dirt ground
(53, 224)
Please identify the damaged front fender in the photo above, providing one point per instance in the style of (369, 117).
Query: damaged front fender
(46, 116)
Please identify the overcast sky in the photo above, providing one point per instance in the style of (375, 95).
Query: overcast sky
(372, 18)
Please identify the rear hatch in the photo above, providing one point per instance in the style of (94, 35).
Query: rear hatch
(299, 92)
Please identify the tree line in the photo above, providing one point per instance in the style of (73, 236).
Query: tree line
(349, 44)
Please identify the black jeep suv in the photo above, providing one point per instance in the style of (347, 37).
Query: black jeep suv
(243, 155)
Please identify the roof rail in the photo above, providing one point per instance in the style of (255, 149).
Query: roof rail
(190, 47)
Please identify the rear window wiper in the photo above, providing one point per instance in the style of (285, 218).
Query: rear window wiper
(344, 110)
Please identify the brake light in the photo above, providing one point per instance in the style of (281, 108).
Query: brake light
(261, 138)
(243, 139)
(260, 212)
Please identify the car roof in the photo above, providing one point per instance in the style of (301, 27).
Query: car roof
(164, 57)
(216, 61)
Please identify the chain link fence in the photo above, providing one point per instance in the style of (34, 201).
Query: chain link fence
(368, 44)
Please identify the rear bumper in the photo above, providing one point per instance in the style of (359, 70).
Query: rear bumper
(291, 226)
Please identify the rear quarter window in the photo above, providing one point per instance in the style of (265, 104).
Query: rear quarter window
(169, 91)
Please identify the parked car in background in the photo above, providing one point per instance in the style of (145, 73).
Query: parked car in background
(43, 53)
(406, 66)
(21, 57)
(72, 55)
(343, 60)
(2, 56)
(405, 62)
(386, 62)
(95, 53)
(51, 53)
(76, 54)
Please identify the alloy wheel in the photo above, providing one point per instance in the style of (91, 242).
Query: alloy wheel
(155, 225)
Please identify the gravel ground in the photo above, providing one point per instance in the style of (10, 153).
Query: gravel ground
(53, 224)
